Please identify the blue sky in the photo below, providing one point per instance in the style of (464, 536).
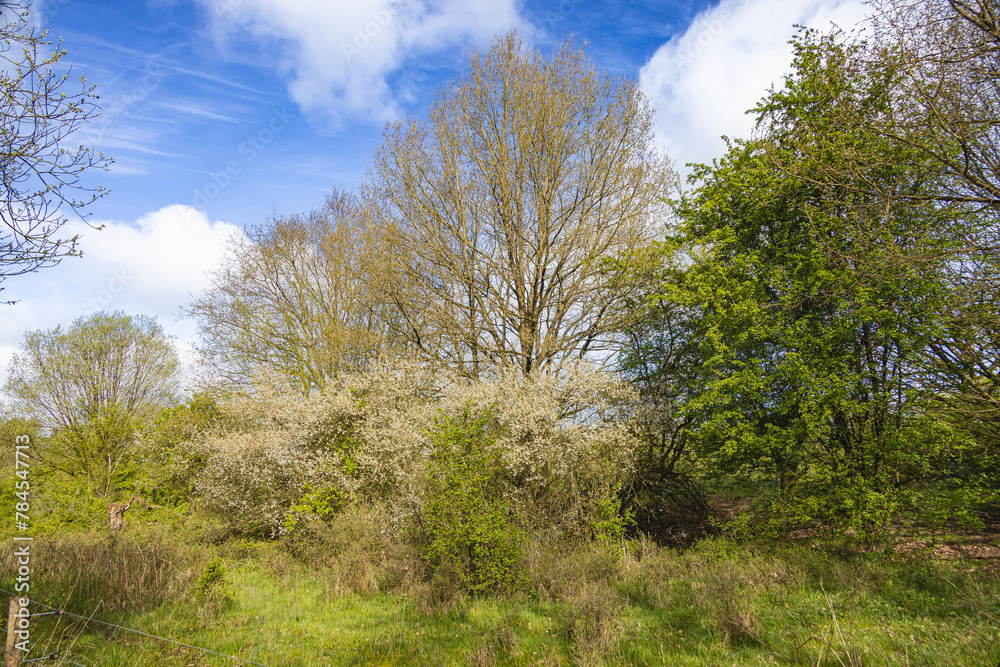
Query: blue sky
(221, 113)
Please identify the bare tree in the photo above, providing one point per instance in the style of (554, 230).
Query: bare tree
(948, 92)
(291, 296)
(496, 214)
(39, 170)
(947, 102)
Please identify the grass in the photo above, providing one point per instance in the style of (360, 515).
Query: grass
(718, 603)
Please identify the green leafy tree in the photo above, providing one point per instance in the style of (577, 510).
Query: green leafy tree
(661, 356)
(171, 451)
(940, 94)
(805, 323)
(93, 385)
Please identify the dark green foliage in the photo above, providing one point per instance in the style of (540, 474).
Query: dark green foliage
(467, 515)
(782, 330)
(662, 358)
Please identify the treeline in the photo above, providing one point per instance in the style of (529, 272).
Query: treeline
(522, 321)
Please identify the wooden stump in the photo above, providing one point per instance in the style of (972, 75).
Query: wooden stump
(12, 655)
(116, 511)
(116, 515)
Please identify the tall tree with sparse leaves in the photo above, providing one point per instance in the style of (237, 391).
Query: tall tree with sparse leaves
(498, 209)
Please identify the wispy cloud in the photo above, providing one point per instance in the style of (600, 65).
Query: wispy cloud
(703, 81)
(197, 110)
(339, 56)
(213, 78)
(135, 140)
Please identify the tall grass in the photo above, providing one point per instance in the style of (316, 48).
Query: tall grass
(353, 596)
(84, 572)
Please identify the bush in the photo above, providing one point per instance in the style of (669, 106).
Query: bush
(282, 459)
(593, 623)
(356, 553)
(471, 539)
(213, 589)
(171, 450)
(286, 460)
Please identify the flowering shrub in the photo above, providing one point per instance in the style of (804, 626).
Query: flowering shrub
(283, 458)
(561, 440)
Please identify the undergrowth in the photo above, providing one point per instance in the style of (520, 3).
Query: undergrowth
(372, 601)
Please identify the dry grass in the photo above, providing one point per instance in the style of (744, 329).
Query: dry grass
(129, 571)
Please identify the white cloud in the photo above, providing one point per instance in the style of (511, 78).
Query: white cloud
(340, 54)
(42, 11)
(703, 81)
(149, 267)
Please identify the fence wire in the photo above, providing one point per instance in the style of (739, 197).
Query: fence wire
(88, 619)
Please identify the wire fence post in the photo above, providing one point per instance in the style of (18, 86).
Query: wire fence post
(12, 654)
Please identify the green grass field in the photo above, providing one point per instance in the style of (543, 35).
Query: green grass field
(633, 603)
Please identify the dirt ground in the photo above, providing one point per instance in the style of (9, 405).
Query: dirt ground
(980, 545)
(983, 544)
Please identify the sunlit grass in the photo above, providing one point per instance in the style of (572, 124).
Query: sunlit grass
(719, 603)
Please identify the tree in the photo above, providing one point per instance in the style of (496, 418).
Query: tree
(660, 354)
(806, 326)
(948, 99)
(950, 114)
(292, 297)
(940, 88)
(500, 208)
(93, 385)
(40, 172)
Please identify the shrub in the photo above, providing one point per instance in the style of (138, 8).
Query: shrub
(129, 571)
(212, 589)
(285, 460)
(355, 552)
(282, 459)
(171, 450)
(470, 535)
(563, 441)
(593, 623)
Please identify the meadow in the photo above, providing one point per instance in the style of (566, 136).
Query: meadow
(355, 600)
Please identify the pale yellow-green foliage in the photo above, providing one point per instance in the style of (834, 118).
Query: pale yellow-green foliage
(291, 295)
(564, 441)
(490, 218)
